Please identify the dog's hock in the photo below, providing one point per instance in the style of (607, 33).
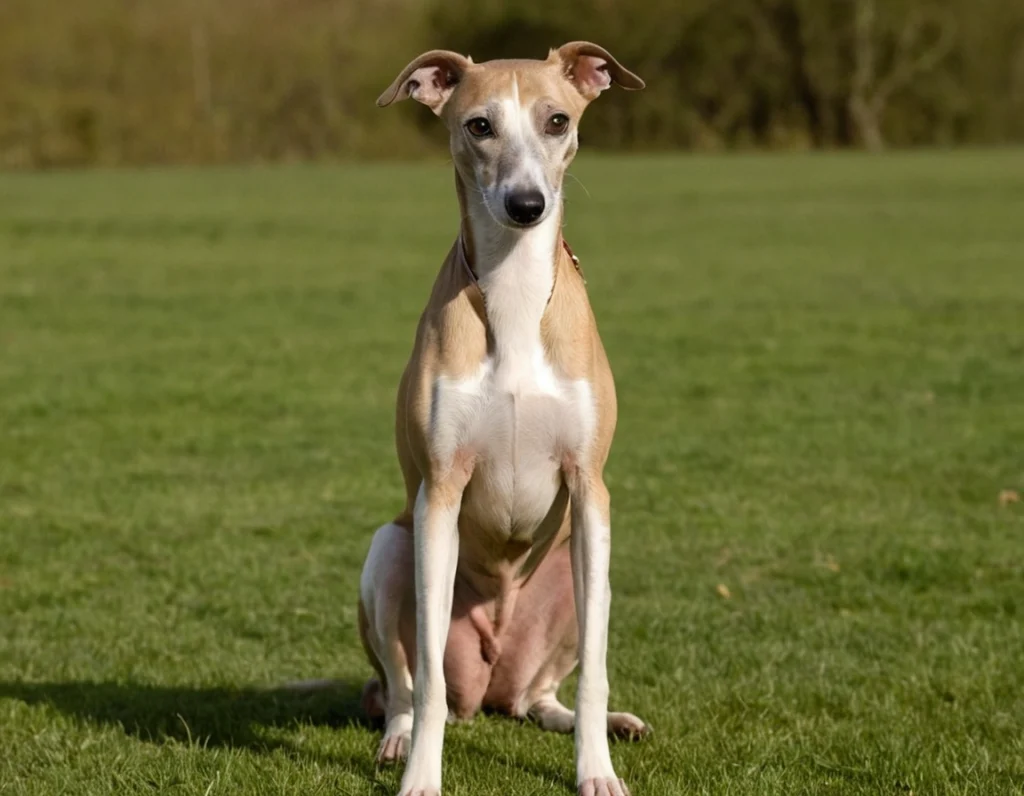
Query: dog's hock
(430, 79)
(592, 69)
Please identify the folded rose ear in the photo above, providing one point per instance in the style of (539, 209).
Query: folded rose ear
(429, 79)
(592, 69)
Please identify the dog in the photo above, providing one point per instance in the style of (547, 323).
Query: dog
(493, 581)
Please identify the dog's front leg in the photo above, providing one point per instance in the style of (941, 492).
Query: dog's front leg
(436, 540)
(591, 550)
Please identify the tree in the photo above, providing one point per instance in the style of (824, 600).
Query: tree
(925, 39)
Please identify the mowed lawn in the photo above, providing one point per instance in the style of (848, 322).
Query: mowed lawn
(818, 560)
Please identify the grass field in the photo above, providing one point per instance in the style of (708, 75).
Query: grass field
(820, 364)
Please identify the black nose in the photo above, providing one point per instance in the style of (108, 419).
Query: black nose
(524, 207)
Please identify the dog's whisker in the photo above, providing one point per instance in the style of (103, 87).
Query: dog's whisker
(579, 182)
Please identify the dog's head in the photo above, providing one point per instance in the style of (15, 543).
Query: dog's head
(513, 124)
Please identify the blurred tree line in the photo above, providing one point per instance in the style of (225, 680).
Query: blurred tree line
(138, 81)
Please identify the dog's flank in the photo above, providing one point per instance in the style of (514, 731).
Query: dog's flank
(493, 580)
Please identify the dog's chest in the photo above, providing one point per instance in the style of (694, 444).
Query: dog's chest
(520, 419)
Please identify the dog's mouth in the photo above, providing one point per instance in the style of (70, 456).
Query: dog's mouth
(511, 223)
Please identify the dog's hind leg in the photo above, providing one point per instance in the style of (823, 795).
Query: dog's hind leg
(553, 716)
(540, 650)
(386, 601)
(550, 714)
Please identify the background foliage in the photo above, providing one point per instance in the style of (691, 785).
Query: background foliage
(133, 81)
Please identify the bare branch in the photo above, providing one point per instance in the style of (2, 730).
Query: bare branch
(914, 56)
(909, 65)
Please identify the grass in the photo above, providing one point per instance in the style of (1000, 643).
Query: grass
(820, 362)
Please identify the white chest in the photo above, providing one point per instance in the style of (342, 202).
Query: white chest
(520, 419)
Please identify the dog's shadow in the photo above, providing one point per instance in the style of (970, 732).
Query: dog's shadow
(212, 717)
(225, 717)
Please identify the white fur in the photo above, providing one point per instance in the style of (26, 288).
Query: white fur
(379, 602)
(516, 290)
(437, 554)
(591, 550)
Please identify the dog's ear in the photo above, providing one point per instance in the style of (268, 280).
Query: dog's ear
(429, 79)
(592, 69)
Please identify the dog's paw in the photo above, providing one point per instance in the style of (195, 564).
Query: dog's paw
(627, 726)
(393, 749)
(420, 789)
(603, 787)
(397, 739)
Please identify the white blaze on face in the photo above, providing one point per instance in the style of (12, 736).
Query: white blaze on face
(522, 156)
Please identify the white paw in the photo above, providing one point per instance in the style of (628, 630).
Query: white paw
(601, 786)
(419, 786)
(421, 778)
(628, 726)
(396, 742)
(393, 749)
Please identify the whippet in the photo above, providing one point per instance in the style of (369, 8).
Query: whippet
(496, 572)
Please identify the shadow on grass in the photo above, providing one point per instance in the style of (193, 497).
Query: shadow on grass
(233, 718)
(549, 776)
(211, 717)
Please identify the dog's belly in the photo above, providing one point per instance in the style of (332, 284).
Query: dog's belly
(519, 443)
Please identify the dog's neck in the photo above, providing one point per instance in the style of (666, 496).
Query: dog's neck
(515, 270)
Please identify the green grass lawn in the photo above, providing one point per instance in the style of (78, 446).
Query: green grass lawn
(820, 364)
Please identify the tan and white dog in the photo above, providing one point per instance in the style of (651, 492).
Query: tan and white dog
(493, 581)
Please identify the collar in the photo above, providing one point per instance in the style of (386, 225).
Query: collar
(472, 276)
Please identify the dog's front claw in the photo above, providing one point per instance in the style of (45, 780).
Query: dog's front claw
(627, 727)
(603, 787)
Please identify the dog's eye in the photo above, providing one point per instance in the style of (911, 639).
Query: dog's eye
(479, 127)
(557, 124)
